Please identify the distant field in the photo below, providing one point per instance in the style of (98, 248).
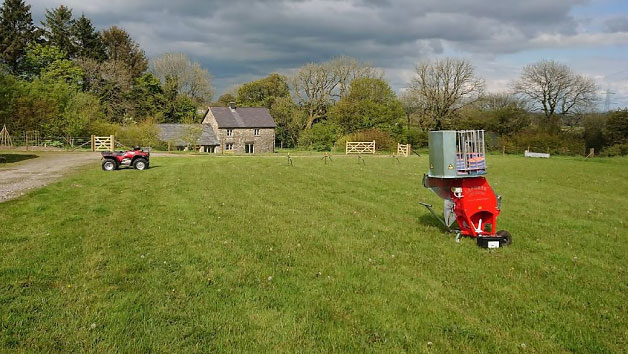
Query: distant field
(249, 254)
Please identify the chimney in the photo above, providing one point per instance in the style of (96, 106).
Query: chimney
(232, 105)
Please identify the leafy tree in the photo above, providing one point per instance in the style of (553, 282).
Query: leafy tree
(81, 111)
(225, 99)
(89, 43)
(192, 80)
(147, 97)
(179, 108)
(289, 119)
(263, 92)
(8, 93)
(49, 63)
(58, 29)
(616, 130)
(16, 32)
(39, 57)
(369, 103)
(121, 48)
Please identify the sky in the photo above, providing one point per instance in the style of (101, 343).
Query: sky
(239, 41)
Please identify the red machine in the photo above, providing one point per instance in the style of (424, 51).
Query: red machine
(136, 157)
(457, 166)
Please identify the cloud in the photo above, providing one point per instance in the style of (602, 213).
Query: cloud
(246, 39)
(617, 24)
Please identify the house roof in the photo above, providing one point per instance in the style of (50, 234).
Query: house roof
(243, 117)
(178, 134)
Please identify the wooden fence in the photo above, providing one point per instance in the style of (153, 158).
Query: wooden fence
(404, 150)
(103, 143)
(360, 147)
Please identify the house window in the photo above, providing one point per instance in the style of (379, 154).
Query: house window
(229, 147)
(256, 132)
(229, 132)
(249, 148)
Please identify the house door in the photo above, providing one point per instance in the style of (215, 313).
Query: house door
(249, 148)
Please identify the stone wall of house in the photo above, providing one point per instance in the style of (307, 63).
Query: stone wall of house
(263, 143)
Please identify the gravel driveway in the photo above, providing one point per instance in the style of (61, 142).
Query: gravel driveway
(17, 178)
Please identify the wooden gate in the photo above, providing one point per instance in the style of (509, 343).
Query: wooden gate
(360, 147)
(103, 143)
(404, 150)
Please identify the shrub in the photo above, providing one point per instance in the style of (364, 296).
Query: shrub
(383, 139)
(616, 150)
(321, 137)
(414, 136)
(542, 141)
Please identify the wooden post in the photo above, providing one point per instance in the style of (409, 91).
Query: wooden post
(504, 150)
(113, 142)
(346, 148)
(26, 140)
(93, 147)
(409, 150)
(373, 147)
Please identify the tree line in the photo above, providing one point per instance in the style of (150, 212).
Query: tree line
(65, 78)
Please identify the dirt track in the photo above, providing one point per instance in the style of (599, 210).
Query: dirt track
(17, 178)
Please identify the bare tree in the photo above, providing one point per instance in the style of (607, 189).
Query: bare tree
(444, 86)
(317, 85)
(194, 81)
(555, 89)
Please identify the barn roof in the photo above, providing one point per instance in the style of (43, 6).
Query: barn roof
(177, 134)
(243, 117)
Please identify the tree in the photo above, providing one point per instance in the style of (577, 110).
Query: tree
(347, 69)
(317, 85)
(88, 41)
(289, 119)
(39, 57)
(193, 81)
(225, 99)
(263, 92)
(616, 130)
(369, 103)
(8, 93)
(16, 32)
(147, 97)
(58, 25)
(555, 89)
(121, 48)
(444, 86)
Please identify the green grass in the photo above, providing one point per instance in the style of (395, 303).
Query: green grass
(248, 254)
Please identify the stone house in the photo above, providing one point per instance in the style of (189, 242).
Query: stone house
(188, 136)
(248, 130)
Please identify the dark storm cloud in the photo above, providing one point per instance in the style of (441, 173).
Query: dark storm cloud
(244, 38)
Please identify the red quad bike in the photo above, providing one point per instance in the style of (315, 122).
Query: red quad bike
(136, 157)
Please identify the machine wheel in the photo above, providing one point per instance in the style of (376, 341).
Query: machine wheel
(506, 236)
(140, 164)
(109, 165)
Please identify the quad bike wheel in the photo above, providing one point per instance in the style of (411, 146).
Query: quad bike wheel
(140, 164)
(506, 236)
(109, 165)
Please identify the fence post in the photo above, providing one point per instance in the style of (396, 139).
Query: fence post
(113, 142)
(92, 140)
(373, 147)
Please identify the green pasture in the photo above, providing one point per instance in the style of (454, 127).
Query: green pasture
(250, 254)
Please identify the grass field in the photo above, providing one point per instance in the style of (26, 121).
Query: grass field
(248, 254)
